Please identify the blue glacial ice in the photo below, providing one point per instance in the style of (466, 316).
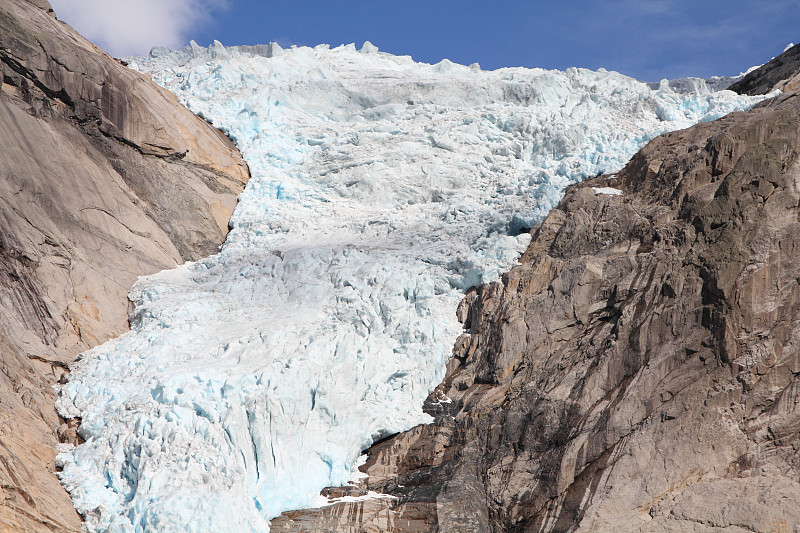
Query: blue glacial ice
(381, 189)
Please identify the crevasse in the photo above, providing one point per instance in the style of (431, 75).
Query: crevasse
(381, 189)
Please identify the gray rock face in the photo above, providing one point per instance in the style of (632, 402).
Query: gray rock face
(103, 177)
(640, 371)
(45, 5)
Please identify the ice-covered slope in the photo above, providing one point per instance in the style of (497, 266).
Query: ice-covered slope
(381, 188)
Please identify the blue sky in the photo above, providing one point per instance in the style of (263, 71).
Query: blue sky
(647, 39)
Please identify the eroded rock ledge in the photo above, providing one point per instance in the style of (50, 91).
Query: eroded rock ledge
(640, 371)
(104, 176)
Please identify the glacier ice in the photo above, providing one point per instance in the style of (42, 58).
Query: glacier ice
(381, 189)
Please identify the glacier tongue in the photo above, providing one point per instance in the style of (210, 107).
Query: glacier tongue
(381, 189)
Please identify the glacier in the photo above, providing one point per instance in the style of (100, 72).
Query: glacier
(381, 189)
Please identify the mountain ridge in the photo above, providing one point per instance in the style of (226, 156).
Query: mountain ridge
(780, 73)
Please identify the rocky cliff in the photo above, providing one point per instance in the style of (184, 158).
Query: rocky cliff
(639, 371)
(104, 176)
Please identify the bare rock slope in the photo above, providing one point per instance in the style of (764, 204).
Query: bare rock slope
(104, 176)
(639, 371)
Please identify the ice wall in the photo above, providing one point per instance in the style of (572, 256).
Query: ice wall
(381, 188)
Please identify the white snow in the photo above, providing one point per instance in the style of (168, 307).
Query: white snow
(607, 190)
(381, 189)
(749, 70)
(370, 495)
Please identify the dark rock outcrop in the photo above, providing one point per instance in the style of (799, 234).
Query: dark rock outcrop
(782, 72)
(639, 371)
(104, 176)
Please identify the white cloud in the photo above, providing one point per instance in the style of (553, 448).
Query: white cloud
(122, 27)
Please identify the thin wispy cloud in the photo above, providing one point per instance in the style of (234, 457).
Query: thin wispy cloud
(122, 27)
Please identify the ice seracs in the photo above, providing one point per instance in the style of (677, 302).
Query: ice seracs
(381, 189)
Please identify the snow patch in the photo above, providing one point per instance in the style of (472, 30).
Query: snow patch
(607, 190)
(371, 495)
